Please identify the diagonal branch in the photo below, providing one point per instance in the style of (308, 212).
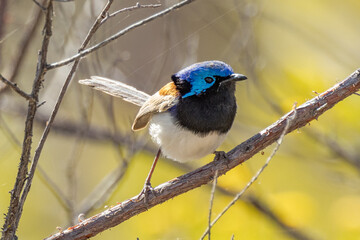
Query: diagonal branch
(305, 113)
(16, 88)
(253, 179)
(89, 50)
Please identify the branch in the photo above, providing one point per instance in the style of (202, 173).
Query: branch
(253, 179)
(15, 88)
(46, 131)
(117, 35)
(24, 44)
(136, 6)
(16, 204)
(305, 113)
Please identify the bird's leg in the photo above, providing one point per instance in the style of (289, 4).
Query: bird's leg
(147, 186)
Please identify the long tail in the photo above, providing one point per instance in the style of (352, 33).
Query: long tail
(116, 89)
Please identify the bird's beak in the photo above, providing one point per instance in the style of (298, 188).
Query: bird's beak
(235, 77)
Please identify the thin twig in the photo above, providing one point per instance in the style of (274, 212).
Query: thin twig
(212, 195)
(128, 9)
(18, 194)
(39, 5)
(305, 113)
(268, 212)
(117, 35)
(256, 176)
(58, 102)
(27, 38)
(16, 89)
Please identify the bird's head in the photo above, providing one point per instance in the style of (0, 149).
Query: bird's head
(204, 77)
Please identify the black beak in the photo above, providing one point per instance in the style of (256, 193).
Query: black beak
(237, 77)
(234, 77)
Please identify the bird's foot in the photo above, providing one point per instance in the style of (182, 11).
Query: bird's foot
(220, 155)
(144, 194)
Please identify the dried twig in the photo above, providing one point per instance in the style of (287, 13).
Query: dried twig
(18, 194)
(305, 113)
(27, 38)
(128, 9)
(212, 195)
(341, 151)
(89, 50)
(16, 88)
(255, 177)
(58, 102)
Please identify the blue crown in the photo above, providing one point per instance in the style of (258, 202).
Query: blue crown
(196, 73)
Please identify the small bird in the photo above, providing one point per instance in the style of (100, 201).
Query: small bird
(189, 117)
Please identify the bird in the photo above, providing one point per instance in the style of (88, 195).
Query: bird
(189, 117)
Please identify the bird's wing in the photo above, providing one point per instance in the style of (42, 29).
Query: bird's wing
(117, 89)
(161, 101)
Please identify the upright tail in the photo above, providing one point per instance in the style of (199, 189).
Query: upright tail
(116, 89)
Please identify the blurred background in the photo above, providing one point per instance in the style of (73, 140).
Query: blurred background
(289, 50)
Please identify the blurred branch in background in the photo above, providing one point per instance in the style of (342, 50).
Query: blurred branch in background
(16, 88)
(22, 50)
(343, 152)
(3, 7)
(305, 113)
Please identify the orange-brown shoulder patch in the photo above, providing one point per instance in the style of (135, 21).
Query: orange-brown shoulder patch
(169, 89)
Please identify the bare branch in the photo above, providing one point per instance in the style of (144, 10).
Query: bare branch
(18, 194)
(117, 35)
(305, 113)
(58, 102)
(212, 195)
(16, 88)
(255, 177)
(27, 38)
(136, 6)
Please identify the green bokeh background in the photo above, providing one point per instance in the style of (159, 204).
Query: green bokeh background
(290, 51)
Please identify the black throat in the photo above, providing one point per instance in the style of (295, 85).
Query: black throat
(212, 111)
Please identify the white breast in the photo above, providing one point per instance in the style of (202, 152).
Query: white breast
(180, 144)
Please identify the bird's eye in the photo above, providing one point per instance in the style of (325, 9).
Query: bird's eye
(209, 79)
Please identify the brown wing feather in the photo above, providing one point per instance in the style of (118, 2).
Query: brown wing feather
(161, 101)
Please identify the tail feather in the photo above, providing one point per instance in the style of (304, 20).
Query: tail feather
(116, 89)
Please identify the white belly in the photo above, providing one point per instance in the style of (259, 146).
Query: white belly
(180, 144)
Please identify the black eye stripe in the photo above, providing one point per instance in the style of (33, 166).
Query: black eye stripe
(209, 79)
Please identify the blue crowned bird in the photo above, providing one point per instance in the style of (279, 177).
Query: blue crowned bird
(189, 117)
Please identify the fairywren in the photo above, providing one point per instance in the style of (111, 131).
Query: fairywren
(190, 116)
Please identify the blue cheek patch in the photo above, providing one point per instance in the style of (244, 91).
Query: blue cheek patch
(198, 85)
(196, 74)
